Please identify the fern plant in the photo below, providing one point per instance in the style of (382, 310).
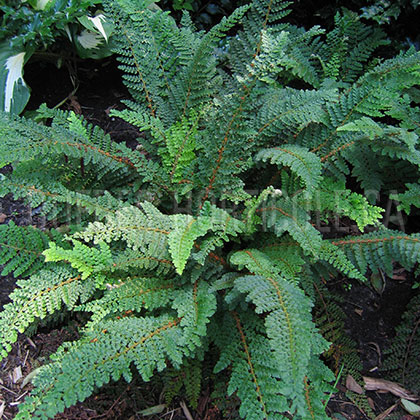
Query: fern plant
(205, 241)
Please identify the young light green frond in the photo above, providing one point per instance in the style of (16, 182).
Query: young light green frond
(333, 198)
(87, 260)
(21, 249)
(300, 160)
(145, 230)
(378, 250)
(67, 119)
(43, 293)
(185, 231)
(177, 147)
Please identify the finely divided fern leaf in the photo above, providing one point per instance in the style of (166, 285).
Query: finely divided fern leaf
(305, 164)
(21, 249)
(185, 231)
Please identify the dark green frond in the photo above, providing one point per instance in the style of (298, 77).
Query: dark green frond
(43, 293)
(21, 249)
(379, 249)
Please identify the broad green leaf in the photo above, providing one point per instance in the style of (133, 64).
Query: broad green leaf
(14, 92)
(97, 24)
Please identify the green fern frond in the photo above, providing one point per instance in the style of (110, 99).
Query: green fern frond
(305, 164)
(130, 294)
(105, 353)
(338, 259)
(409, 198)
(108, 350)
(287, 259)
(21, 249)
(377, 250)
(57, 142)
(180, 146)
(145, 230)
(185, 231)
(56, 200)
(43, 293)
(286, 322)
(254, 368)
(332, 198)
(247, 44)
(289, 50)
(134, 261)
(289, 111)
(85, 259)
(348, 47)
(401, 361)
(285, 215)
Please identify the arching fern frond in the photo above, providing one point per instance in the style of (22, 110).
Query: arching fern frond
(305, 164)
(285, 215)
(43, 293)
(254, 369)
(87, 260)
(145, 230)
(56, 200)
(107, 350)
(377, 250)
(21, 249)
(333, 198)
(130, 294)
(286, 322)
(56, 142)
(402, 357)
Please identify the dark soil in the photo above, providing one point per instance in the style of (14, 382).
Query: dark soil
(371, 316)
